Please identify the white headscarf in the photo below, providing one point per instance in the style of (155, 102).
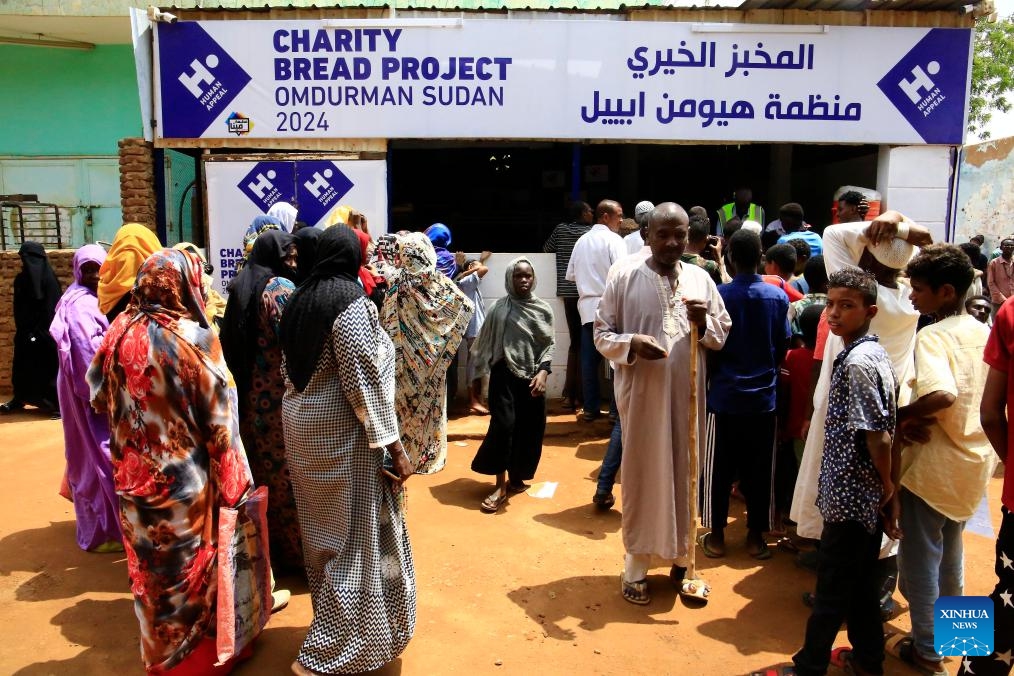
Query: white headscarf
(284, 212)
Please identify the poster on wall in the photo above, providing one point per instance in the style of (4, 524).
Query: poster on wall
(517, 78)
(239, 191)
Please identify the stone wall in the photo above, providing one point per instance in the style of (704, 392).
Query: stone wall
(137, 181)
(10, 266)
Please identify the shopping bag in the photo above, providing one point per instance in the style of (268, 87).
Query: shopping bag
(244, 574)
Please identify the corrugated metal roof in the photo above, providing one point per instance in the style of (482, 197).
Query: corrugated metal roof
(583, 5)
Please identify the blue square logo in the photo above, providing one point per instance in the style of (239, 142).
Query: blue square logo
(198, 79)
(963, 625)
(320, 185)
(269, 182)
(928, 85)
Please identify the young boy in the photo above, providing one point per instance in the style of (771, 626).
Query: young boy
(855, 482)
(472, 272)
(947, 460)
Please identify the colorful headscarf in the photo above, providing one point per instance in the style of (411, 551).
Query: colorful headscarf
(440, 235)
(521, 327)
(260, 225)
(365, 276)
(425, 314)
(340, 214)
(214, 302)
(131, 246)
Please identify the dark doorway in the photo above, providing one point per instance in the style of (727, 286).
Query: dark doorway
(508, 196)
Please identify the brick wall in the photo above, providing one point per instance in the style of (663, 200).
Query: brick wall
(137, 181)
(10, 266)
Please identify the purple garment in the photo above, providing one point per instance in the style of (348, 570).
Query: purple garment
(440, 235)
(77, 328)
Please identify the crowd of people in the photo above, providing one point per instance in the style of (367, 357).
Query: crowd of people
(847, 384)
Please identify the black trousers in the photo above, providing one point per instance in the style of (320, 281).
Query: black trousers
(744, 447)
(572, 382)
(847, 589)
(517, 423)
(1003, 614)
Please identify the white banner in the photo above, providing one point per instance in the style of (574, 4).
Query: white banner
(238, 192)
(489, 78)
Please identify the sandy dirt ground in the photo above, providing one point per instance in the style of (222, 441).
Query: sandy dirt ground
(531, 590)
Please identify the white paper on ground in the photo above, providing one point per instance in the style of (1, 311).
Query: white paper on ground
(543, 489)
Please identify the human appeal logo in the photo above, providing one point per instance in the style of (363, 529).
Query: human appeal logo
(199, 79)
(928, 85)
(320, 186)
(963, 626)
(269, 182)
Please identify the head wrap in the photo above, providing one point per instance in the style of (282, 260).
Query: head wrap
(306, 240)
(35, 266)
(60, 328)
(309, 317)
(521, 326)
(752, 226)
(214, 303)
(894, 253)
(340, 214)
(260, 225)
(440, 235)
(240, 326)
(284, 213)
(369, 282)
(131, 246)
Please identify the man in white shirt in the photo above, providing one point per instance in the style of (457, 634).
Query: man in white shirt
(635, 241)
(589, 266)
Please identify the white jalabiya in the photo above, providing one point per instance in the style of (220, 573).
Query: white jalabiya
(895, 324)
(652, 397)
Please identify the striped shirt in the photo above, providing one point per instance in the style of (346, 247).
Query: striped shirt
(562, 242)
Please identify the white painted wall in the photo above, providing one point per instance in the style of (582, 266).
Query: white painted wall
(915, 180)
(493, 287)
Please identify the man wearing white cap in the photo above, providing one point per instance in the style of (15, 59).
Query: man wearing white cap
(635, 240)
(883, 247)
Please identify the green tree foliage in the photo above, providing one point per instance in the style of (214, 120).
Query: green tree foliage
(992, 72)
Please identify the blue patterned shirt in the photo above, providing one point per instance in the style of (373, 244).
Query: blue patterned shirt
(863, 398)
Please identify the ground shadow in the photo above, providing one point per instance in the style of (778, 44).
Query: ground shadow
(107, 630)
(594, 600)
(61, 569)
(591, 450)
(584, 520)
(466, 493)
(277, 647)
(29, 414)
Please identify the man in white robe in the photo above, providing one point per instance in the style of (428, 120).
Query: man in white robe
(888, 236)
(643, 325)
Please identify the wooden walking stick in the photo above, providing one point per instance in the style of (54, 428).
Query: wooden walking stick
(692, 586)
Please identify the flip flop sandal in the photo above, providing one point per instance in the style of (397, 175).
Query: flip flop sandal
(783, 670)
(696, 591)
(841, 658)
(708, 551)
(764, 554)
(493, 506)
(901, 647)
(635, 592)
(787, 545)
(517, 488)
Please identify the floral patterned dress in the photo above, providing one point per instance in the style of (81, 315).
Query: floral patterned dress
(176, 452)
(261, 428)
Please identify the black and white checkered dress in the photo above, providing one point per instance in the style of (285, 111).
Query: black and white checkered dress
(356, 548)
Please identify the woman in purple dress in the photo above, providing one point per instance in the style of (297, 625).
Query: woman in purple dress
(77, 328)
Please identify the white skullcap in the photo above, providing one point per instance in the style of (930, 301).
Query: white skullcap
(752, 226)
(894, 253)
(642, 210)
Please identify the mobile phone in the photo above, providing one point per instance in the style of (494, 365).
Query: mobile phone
(712, 240)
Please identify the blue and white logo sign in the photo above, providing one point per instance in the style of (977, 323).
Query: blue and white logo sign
(198, 79)
(928, 85)
(269, 182)
(963, 625)
(320, 186)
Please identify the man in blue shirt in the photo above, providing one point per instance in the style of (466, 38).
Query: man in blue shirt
(744, 378)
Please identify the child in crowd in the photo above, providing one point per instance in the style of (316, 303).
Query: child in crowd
(980, 308)
(815, 274)
(947, 460)
(855, 482)
(468, 280)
